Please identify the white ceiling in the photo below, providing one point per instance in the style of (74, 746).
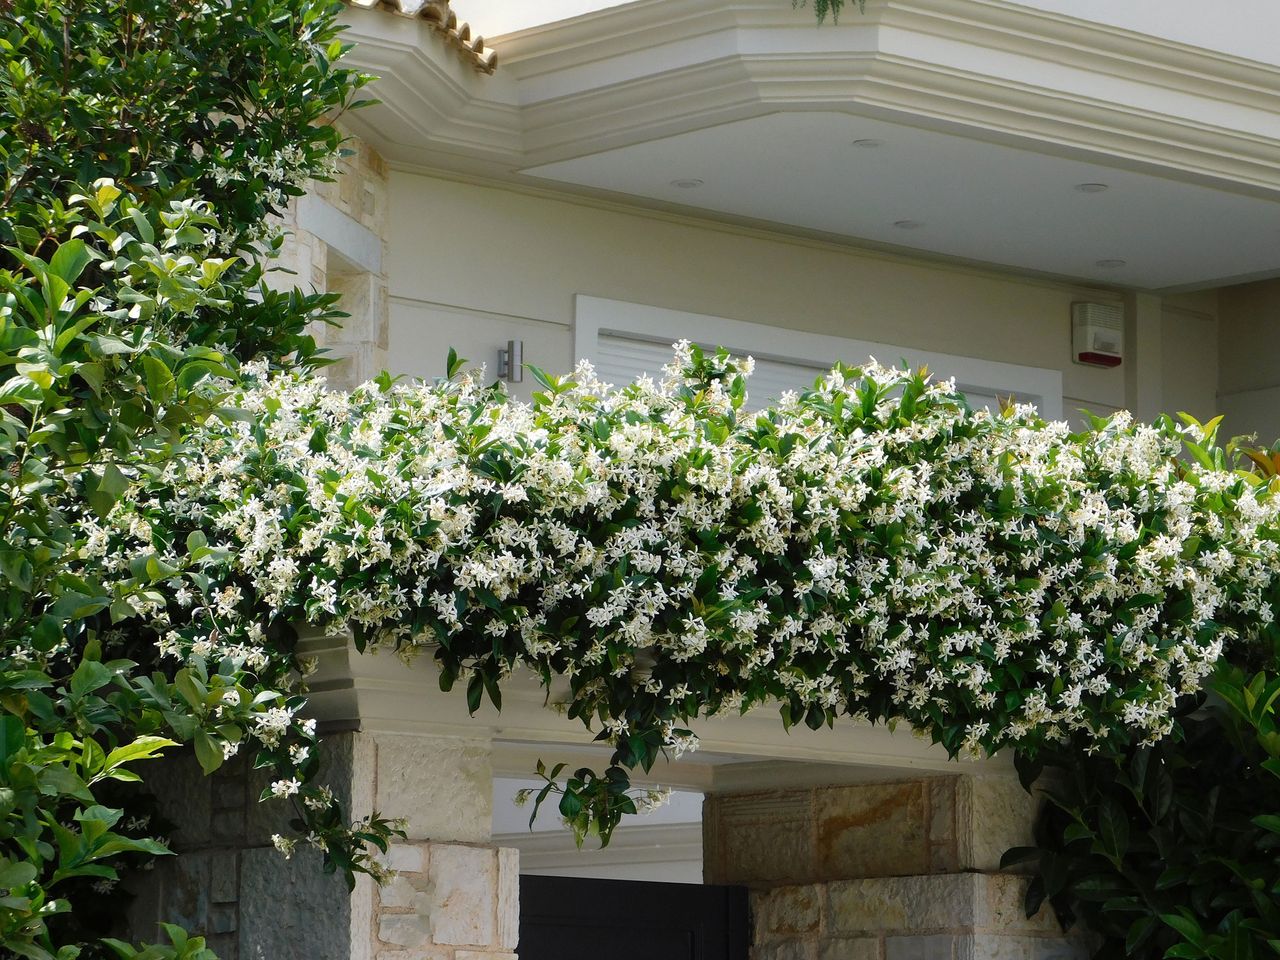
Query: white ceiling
(976, 200)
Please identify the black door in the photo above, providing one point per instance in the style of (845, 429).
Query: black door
(567, 918)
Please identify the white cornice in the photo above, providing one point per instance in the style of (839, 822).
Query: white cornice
(1097, 47)
(990, 69)
(994, 24)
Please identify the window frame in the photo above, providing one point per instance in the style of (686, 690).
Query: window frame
(595, 317)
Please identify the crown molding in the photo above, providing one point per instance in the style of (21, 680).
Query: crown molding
(993, 24)
(989, 69)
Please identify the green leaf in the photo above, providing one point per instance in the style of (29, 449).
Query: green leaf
(188, 688)
(70, 259)
(160, 381)
(21, 391)
(13, 734)
(144, 748)
(16, 874)
(1016, 855)
(208, 752)
(1186, 926)
(107, 487)
(1113, 825)
(17, 569)
(1268, 821)
(475, 691)
(89, 676)
(1139, 933)
(142, 225)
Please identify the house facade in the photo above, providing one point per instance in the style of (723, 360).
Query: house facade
(1069, 203)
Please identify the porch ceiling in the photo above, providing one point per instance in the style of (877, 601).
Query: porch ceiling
(988, 115)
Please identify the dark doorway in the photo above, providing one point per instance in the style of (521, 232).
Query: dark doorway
(568, 918)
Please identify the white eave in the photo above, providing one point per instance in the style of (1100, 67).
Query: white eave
(992, 71)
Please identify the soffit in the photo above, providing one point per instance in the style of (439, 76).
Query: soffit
(589, 104)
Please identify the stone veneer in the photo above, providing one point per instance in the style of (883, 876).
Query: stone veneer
(360, 192)
(903, 870)
(455, 897)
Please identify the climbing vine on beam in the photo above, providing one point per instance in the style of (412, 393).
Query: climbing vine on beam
(870, 549)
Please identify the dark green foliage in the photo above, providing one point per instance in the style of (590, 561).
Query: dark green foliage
(1173, 850)
(824, 8)
(225, 101)
(143, 145)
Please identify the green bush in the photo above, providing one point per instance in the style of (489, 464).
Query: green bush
(144, 147)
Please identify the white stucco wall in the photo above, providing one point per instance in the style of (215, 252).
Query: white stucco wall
(471, 266)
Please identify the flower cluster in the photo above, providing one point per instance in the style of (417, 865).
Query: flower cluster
(870, 547)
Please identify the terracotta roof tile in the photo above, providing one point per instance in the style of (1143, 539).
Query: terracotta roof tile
(445, 22)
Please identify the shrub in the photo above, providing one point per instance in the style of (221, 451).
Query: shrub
(143, 148)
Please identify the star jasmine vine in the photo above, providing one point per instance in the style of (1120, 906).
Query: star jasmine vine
(869, 548)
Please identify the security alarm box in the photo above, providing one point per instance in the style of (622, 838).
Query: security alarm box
(1097, 333)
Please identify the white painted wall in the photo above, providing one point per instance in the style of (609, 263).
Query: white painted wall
(474, 265)
(1190, 361)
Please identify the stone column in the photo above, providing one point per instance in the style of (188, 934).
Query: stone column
(904, 870)
(335, 240)
(454, 896)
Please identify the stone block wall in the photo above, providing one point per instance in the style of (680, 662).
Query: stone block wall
(898, 828)
(455, 897)
(449, 902)
(895, 870)
(351, 207)
(957, 916)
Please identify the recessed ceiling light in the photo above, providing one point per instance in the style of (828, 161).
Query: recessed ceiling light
(908, 224)
(868, 142)
(1092, 187)
(1111, 264)
(687, 184)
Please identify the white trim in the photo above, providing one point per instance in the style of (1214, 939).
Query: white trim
(341, 232)
(653, 68)
(378, 693)
(594, 316)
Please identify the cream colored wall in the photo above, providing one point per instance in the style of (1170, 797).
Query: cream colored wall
(1249, 364)
(1189, 367)
(473, 265)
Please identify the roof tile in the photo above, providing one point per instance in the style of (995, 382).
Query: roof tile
(445, 22)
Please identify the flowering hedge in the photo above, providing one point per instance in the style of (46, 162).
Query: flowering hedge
(871, 547)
